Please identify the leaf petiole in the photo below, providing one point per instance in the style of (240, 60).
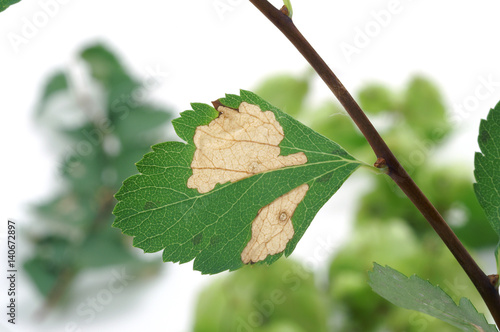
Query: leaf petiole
(288, 5)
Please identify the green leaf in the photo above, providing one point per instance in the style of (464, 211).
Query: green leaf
(394, 243)
(4, 4)
(213, 227)
(487, 170)
(417, 294)
(487, 167)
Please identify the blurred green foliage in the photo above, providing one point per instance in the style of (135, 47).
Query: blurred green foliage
(100, 123)
(281, 297)
(388, 229)
(288, 91)
(355, 307)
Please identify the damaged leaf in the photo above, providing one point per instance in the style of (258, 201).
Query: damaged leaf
(242, 190)
(236, 145)
(273, 228)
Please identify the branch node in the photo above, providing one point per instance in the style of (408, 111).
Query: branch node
(285, 11)
(494, 280)
(380, 163)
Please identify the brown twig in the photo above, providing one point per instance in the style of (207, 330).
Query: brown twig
(396, 171)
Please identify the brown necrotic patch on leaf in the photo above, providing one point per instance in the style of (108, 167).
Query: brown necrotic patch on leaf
(273, 228)
(238, 144)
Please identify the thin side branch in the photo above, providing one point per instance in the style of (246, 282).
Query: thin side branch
(382, 151)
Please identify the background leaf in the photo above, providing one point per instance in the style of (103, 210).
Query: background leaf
(416, 294)
(55, 84)
(161, 212)
(286, 90)
(392, 243)
(424, 109)
(376, 98)
(97, 150)
(277, 298)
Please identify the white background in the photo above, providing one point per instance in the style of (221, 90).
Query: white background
(207, 52)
